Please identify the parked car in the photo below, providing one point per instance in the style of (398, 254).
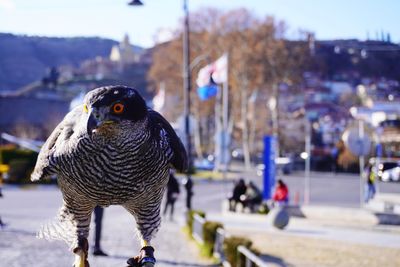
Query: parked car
(204, 164)
(283, 164)
(388, 171)
(391, 175)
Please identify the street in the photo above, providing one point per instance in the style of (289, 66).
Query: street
(325, 189)
(26, 208)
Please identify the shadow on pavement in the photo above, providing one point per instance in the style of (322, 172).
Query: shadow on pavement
(275, 260)
(303, 231)
(18, 231)
(168, 262)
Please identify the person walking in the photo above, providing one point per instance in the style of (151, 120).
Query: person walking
(188, 183)
(370, 189)
(98, 218)
(172, 194)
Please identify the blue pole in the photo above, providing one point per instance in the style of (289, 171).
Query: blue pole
(269, 163)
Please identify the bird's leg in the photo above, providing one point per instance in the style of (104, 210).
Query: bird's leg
(148, 221)
(146, 255)
(80, 216)
(144, 242)
(82, 244)
(81, 253)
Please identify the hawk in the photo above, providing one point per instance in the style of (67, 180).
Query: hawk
(111, 150)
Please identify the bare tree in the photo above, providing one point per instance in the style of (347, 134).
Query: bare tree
(259, 59)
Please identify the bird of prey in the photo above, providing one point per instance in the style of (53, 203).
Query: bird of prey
(112, 150)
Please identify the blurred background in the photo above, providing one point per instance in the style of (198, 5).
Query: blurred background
(329, 65)
(322, 79)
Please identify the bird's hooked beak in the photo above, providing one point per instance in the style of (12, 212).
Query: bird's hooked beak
(91, 124)
(96, 120)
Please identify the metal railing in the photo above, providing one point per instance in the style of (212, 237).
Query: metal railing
(250, 257)
(218, 252)
(198, 223)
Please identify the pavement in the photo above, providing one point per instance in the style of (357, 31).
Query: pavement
(25, 209)
(387, 203)
(316, 242)
(376, 235)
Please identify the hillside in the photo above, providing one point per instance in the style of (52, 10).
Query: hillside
(364, 58)
(24, 59)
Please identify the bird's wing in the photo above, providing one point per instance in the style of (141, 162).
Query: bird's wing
(179, 159)
(43, 167)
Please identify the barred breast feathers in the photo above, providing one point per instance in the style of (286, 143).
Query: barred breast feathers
(155, 130)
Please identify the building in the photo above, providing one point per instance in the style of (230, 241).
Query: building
(124, 53)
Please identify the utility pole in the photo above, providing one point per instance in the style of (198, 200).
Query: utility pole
(186, 98)
(307, 162)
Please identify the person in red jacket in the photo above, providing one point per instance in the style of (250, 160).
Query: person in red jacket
(281, 195)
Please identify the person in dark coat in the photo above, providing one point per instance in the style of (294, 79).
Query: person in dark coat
(2, 224)
(188, 183)
(98, 217)
(172, 194)
(238, 190)
(252, 197)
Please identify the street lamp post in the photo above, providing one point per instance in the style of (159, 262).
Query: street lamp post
(187, 82)
(307, 161)
(186, 99)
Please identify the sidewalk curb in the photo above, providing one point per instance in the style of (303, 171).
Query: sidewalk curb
(342, 214)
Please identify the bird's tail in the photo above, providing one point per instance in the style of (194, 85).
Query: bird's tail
(61, 228)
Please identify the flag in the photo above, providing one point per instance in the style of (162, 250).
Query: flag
(207, 91)
(218, 70)
(203, 78)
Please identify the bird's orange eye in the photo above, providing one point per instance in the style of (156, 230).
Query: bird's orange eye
(85, 108)
(118, 108)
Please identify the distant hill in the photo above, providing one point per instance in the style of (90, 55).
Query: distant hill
(366, 58)
(24, 59)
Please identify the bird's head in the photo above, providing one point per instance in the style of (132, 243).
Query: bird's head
(109, 107)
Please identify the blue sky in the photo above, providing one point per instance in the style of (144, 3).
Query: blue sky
(113, 18)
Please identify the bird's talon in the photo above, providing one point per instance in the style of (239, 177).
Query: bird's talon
(81, 260)
(81, 252)
(145, 259)
(133, 262)
(148, 264)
